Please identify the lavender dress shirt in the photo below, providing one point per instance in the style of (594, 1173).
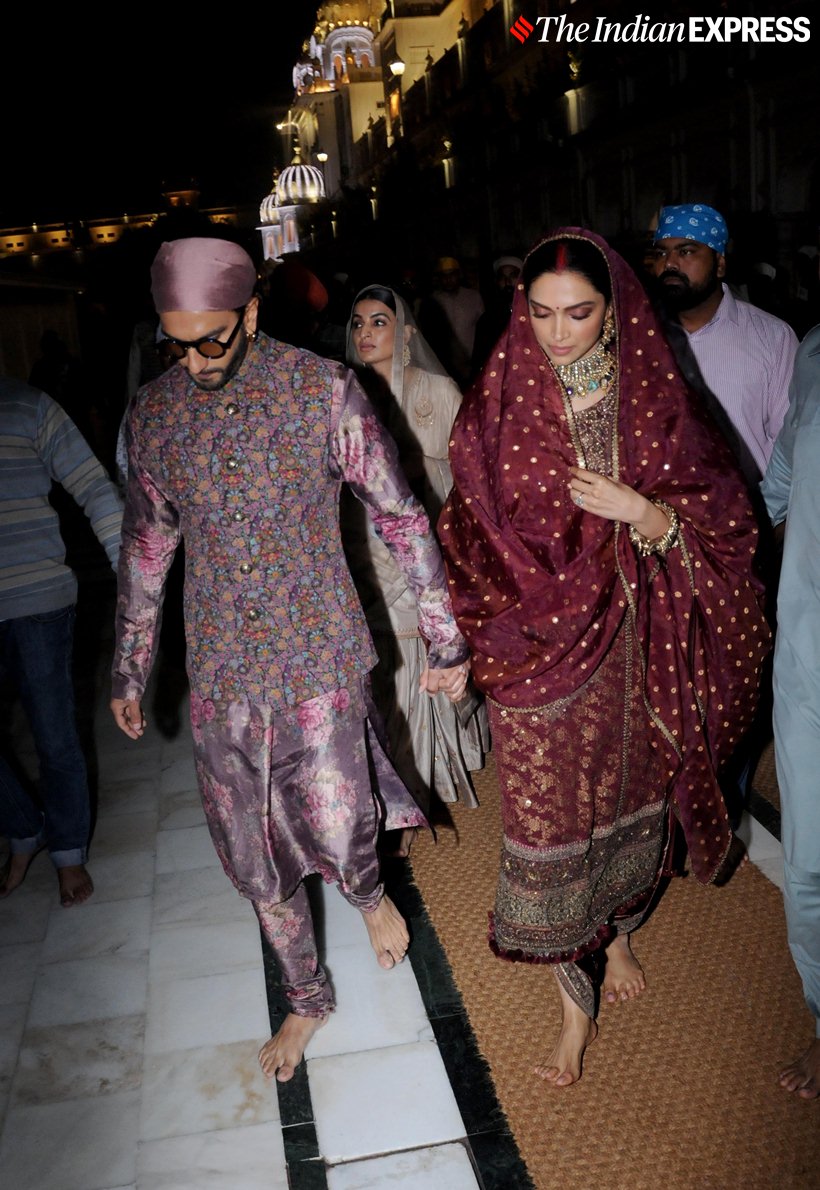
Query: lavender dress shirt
(746, 358)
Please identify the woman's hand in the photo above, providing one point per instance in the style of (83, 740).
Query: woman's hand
(616, 502)
(452, 680)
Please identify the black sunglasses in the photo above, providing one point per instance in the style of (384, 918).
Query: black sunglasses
(209, 347)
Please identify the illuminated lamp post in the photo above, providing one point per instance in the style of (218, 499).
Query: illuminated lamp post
(397, 68)
(321, 157)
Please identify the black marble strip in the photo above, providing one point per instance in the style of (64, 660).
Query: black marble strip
(306, 1175)
(300, 1143)
(306, 1171)
(766, 814)
(490, 1142)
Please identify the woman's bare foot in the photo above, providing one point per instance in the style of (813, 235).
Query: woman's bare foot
(388, 933)
(76, 885)
(280, 1056)
(14, 872)
(563, 1067)
(803, 1074)
(624, 978)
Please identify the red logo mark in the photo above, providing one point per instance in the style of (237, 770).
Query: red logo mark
(522, 29)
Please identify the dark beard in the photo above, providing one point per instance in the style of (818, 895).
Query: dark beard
(685, 296)
(240, 351)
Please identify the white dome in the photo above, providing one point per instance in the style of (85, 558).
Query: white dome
(299, 183)
(268, 213)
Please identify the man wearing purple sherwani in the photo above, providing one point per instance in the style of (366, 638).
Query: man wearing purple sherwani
(241, 450)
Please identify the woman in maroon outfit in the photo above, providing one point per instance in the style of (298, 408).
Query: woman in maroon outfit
(599, 545)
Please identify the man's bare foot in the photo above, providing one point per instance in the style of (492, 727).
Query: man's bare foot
(624, 978)
(76, 885)
(281, 1055)
(563, 1067)
(14, 871)
(803, 1074)
(388, 933)
(404, 843)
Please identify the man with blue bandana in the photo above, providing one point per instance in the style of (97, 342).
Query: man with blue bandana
(739, 357)
(745, 355)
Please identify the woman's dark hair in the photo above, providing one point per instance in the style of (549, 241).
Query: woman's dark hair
(377, 293)
(569, 256)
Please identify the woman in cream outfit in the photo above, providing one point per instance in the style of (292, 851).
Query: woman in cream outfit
(434, 745)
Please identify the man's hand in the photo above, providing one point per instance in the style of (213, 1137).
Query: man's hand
(452, 681)
(128, 716)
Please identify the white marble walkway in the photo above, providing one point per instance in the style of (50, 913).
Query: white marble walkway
(129, 1026)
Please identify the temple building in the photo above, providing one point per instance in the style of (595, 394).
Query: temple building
(284, 214)
(467, 136)
(354, 69)
(37, 239)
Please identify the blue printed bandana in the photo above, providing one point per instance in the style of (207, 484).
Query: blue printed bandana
(693, 221)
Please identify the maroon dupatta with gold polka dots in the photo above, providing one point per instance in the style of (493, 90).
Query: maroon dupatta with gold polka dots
(540, 587)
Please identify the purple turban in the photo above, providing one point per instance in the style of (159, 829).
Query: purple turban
(201, 274)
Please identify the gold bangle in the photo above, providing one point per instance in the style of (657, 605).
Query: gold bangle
(657, 545)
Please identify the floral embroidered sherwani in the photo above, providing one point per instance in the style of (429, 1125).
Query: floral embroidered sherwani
(278, 648)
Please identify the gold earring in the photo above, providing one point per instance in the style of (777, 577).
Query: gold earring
(608, 329)
(405, 355)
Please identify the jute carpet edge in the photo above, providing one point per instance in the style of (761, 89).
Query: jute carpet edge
(680, 1088)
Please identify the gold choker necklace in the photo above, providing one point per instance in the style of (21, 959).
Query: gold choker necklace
(588, 374)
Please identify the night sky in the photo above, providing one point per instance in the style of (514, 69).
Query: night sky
(107, 109)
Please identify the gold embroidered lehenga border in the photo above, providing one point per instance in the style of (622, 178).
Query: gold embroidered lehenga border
(584, 813)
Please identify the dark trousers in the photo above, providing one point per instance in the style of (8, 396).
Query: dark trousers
(36, 651)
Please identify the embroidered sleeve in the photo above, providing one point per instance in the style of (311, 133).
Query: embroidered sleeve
(364, 455)
(150, 535)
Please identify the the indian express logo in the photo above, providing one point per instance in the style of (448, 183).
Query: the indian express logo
(642, 28)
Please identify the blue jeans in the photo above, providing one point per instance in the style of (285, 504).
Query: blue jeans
(36, 652)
